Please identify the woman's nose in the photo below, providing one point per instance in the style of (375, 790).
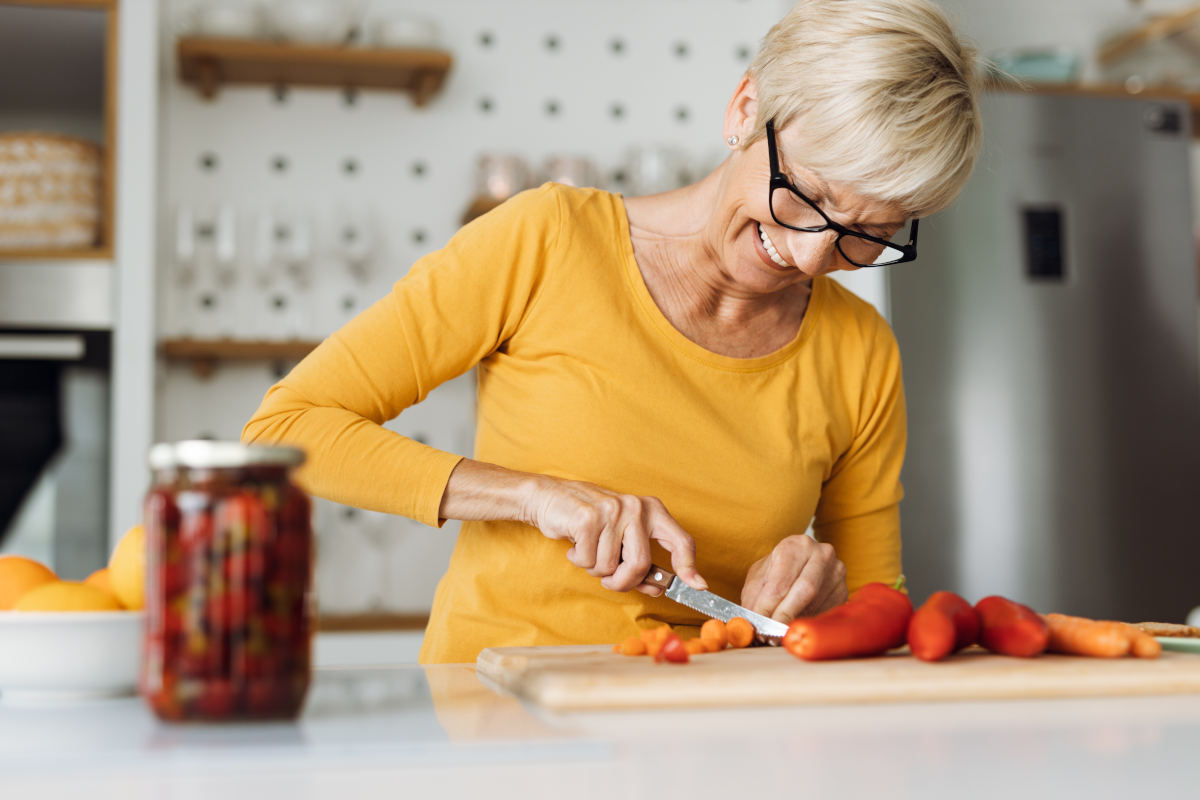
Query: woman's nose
(815, 253)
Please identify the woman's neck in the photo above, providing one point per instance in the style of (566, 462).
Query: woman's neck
(682, 271)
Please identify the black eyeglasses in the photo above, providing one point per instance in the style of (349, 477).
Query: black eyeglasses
(792, 209)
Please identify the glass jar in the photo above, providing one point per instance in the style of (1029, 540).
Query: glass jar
(229, 610)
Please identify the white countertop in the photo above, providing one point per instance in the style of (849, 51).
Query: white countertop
(408, 731)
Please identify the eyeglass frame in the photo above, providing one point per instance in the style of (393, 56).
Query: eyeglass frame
(781, 181)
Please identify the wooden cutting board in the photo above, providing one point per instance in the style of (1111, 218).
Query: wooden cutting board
(594, 677)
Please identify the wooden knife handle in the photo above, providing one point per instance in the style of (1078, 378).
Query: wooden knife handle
(657, 576)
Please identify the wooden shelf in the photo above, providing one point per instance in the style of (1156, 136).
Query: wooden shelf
(209, 62)
(1108, 90)
(1159, 27)
(77, 254)
(205, 353)
(102, 5)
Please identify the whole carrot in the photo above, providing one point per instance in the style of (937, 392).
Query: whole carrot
(945, 624)
(1143, 645)
(1081, 636)
(871, 622)
(1010, 628)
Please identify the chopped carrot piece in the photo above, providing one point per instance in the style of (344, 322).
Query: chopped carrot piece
(714, 635)
(740, 631)
(632, 646)
(656, 638)
(695, 647)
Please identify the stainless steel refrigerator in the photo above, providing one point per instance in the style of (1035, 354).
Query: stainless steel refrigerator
(1049, 337)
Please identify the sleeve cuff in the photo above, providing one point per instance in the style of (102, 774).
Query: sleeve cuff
(433, 486)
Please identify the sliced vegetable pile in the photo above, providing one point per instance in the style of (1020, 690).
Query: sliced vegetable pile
(663, 644)
(878, 618)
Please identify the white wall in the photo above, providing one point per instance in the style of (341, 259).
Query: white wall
(677, 64)
(1078, 25)
(246, 128)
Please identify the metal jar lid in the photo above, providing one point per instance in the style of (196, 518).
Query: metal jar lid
(207, 454)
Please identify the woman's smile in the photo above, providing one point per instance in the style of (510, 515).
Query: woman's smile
(770, 248)
(767, 251)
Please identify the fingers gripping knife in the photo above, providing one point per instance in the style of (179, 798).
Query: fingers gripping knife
(769, 630)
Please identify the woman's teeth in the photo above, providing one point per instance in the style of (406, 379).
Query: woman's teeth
(770, 248)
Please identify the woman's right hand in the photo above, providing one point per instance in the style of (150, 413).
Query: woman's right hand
(610, 532)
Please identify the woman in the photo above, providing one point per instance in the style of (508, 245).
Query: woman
(666, 373)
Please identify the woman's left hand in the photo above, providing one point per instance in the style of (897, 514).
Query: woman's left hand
(800, 577)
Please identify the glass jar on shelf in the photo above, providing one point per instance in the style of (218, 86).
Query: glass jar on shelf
(229, 562)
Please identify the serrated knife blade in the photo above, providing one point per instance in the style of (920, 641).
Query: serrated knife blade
(769, 630)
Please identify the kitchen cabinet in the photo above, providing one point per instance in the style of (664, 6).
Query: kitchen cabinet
(66, 53)
(88, 69)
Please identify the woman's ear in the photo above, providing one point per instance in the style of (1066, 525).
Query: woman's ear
(742, 111)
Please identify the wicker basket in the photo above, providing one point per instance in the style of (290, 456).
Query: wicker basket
(50, 192)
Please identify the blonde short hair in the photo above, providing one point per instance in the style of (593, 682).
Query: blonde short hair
(884, 94)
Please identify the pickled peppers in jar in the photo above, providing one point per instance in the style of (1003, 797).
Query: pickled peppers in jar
(229, 562)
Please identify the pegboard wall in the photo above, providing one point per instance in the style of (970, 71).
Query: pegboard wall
(285, 211)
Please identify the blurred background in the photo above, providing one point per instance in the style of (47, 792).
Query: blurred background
(193, 194)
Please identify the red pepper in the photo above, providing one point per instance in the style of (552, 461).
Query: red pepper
(945, 624)
(673, 650)
(1011, 629)
(871, 622)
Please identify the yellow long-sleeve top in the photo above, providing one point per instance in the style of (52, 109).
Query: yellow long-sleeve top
(581, 376)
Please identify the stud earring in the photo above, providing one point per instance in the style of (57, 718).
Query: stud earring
(733, 140)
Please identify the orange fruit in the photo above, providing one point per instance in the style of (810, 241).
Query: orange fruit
(100, 579)
(66, 596)
(127, 569)
(18, 575)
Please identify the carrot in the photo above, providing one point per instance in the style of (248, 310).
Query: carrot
(655, 637)
(632, 646)
(1142, 644)
(740, 632)
(1087, 637)
(714, 634)
(695, 647)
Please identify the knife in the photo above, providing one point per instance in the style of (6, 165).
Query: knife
(769, 630)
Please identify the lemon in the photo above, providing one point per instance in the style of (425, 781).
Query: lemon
(127, 569)
(100, 580)
(66, 596)
(18, 575)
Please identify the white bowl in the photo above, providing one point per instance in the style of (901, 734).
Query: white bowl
(69, 653)
(402, 30)
(318, 22)
(226, 19)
